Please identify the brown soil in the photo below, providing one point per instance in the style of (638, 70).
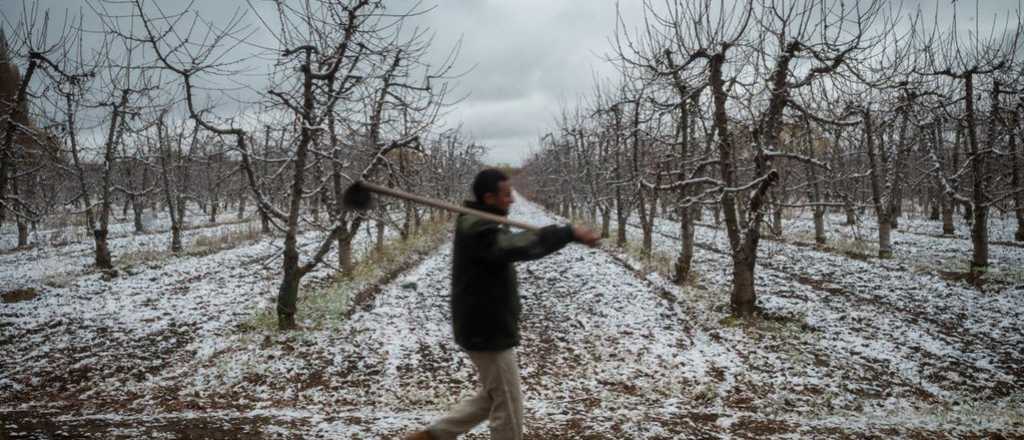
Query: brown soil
(19, 295)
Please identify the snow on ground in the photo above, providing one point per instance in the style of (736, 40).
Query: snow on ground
(54, 233)
(847, 349)
(941, 346)
(918, 244)
(95, 341)
(57, 265)
(1002, 226)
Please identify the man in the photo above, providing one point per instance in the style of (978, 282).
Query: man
(486, 309)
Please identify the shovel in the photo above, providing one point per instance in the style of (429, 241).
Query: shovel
(359, 196)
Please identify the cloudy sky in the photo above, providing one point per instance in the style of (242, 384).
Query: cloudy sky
(528, 58)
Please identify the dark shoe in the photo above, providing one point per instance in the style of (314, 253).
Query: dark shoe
(422, 435)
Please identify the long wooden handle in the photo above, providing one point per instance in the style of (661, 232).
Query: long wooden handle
(446, 206)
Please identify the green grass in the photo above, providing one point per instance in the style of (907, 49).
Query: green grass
(859, 247)
(140, 256)
(854, 246)
(60, 279)
(951, 266)
(207, 244)
(662, 263)
(327, 306)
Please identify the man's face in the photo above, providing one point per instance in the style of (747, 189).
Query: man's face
(502, 199)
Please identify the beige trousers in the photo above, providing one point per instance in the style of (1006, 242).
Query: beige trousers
(499, 400)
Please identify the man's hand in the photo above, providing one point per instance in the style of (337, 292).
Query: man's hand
(586, 236)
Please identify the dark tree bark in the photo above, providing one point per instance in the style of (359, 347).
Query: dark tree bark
(948, 203)
(684, 261)
(138, 206)
(168, 178)
(16, 114)
(1018, 182)
(622, 207)
(606, 221)
(816, 191)
(979, 169)
(743, 242)
(777, 220)
(212, 170)
(20, 222)
(241, 206)
(882, 206)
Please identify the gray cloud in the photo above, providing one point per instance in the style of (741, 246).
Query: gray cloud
(532, 55)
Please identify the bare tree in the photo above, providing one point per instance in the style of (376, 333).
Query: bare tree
(44, 54)
(331, 55)
(965, 60)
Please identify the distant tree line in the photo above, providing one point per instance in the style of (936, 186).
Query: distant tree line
(150, 109)
(764, 106)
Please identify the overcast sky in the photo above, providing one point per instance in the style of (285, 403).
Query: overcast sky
(528, 57)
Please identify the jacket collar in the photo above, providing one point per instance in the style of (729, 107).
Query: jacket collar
(485, 208)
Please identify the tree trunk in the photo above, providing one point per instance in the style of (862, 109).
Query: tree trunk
(315, 198)
(819, 225)
(180, 206)
(241, 207)
(979, 171)
(979, 237)
(743, 298)
(1017, 152)
(606, 220)
(288, 292)
(620, 211)
(777, 221)
(816, 195)
(1019, 235)
(214, 208)
(176, 236)
(380, 236)
(647, 242)
(684, 263)
(851, 214)
(102, 254)
(345, 262)
(137, 211)
(139, 206)
(947, 217)
(264, 222)
(15, 116)
(884, 237)
(103, 260)
(882, 209)
(407, 221)
(647, 223)
(19, 220)
(22, 233)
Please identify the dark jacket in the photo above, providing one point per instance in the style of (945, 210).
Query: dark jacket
(485, 294)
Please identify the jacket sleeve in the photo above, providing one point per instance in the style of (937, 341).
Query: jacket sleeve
(498, 244)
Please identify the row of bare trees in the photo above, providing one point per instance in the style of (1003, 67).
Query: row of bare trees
(767, 106)
(152, 109)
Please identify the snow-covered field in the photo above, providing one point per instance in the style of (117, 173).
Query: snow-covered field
(848, 348)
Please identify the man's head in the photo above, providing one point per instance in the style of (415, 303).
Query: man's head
(491, 188)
